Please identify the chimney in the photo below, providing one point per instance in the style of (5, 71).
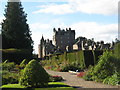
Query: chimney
(69, 28)
(59, 29)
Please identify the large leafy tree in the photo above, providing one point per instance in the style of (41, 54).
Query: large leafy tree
(15, 30)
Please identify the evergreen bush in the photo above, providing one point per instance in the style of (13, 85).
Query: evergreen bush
(34, 75)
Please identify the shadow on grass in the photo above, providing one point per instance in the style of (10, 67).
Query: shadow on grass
(57, 85)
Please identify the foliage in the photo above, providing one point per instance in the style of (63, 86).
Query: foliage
(89, 74)
(15, 33)
(9, 75)
(24, 63)
(72, 61)
(55, 78)
(70, 66)
(105, 70)
(6, 61)
(15, 55)
(88, 58)
(15, 30)
(34, 75)
(10, 78)
(117, 50)
(113, 80)
(8, 66)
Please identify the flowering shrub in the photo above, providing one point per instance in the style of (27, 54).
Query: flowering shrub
(55, 78)
(81, 74)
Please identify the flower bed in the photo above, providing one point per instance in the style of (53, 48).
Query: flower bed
(81, 74)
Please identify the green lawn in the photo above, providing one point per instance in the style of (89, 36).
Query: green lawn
(51, 86)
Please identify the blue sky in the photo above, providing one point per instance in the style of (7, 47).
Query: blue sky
(96, 19)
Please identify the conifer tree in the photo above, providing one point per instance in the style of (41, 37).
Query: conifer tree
(15, 30)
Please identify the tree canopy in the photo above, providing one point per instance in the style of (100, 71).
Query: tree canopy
(15, 30)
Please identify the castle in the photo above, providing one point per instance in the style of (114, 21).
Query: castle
(64, 40)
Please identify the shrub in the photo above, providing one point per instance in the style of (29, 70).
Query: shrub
(15, 55)
(24, 63)
(34, 75)
(88, 58)
(117, 50)
(113, 80)
(106, 66)
(8, 66)
(6, 61)
(105, 70)
(70, 66)
(89, 74)
(9, 78)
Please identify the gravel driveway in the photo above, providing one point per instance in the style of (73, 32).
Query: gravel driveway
(74, 81)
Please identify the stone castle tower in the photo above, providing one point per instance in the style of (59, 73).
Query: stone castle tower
(41, 48)
(45, 48)
(64, 39)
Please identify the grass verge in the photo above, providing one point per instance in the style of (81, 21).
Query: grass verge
(51, 86)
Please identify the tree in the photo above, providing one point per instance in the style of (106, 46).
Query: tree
(15, 30)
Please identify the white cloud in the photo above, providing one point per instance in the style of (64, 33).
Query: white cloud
(106, 32)
(104, 7)
(55, 9)
(39, 26)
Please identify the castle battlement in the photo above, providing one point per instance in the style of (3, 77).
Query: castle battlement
(63, 31)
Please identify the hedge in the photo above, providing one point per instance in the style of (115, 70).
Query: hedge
(84, 58)
(15, 55)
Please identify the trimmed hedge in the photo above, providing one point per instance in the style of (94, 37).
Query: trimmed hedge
(88, 58)
(117, 50)
(81, 59)
(34, 75)
(15, 55)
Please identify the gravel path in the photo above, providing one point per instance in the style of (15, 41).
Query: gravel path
(74, 81)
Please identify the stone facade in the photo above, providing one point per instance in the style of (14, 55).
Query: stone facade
(88, 44)
(64, 39)
(45, 48)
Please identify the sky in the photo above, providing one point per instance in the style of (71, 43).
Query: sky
(96, 19)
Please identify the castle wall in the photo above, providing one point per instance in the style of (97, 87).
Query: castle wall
(64, 38)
